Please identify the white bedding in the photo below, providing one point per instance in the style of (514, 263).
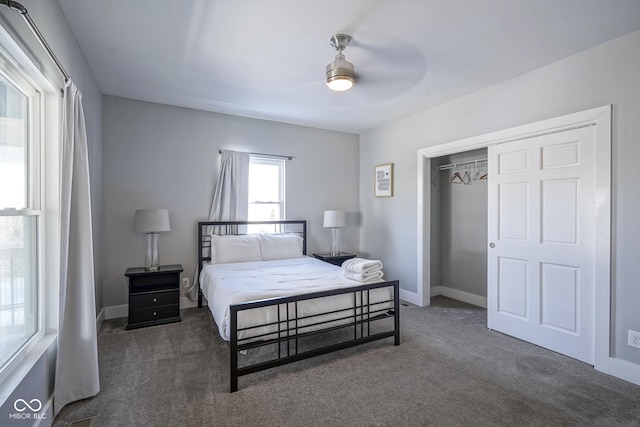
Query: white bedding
(233, 283)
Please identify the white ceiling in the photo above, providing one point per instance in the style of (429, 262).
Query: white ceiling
(266, 58)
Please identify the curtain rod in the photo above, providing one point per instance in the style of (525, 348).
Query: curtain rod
(268, 155)
(14, 5)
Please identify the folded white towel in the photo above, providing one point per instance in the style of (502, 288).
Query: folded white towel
(362, 265)
(364, 278)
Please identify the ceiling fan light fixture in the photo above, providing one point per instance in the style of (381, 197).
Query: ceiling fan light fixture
(340, 84)
(340, 73)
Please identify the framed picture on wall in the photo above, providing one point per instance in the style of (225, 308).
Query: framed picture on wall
(383, 180)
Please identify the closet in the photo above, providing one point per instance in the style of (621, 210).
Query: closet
(459, 226)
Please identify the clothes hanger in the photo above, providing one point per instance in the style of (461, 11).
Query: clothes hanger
(456, 178)
(478, 172)
(483, 174)
(466, 178)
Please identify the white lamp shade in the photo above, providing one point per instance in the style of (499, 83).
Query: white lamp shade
(151, 220)
(335, 219)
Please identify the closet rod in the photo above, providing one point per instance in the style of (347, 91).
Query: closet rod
(14, 5)
(455, 165)
(280, 156)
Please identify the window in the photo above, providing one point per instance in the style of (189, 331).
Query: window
(20, 211)
(266, 188)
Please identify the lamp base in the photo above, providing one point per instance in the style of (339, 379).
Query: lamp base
(335, 241)
(151, 252)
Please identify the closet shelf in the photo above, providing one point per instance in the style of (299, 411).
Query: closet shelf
(465, 163)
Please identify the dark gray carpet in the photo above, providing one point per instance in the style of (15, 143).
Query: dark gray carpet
(449, 370)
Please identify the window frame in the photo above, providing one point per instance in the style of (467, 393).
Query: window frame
(281, 164)
(48, 118)
(34, 200)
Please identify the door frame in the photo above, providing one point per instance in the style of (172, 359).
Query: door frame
(600, 118)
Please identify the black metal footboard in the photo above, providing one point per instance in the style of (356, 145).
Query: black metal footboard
(368, 318)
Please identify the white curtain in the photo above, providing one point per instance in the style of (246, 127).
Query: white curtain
(231, 197)
(77, 361)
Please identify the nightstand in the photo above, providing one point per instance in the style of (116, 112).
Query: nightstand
(335, 259)
(154, 296)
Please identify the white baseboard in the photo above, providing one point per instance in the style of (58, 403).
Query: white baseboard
(624, 370)
(410, 297)
(413, 298)
(185, 302)
(116, 311)
(459, 295)
(436, 291)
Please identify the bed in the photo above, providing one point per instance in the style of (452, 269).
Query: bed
(275, 305)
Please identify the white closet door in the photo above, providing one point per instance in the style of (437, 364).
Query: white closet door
(541, 231)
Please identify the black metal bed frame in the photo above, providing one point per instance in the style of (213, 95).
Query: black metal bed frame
(363, 316)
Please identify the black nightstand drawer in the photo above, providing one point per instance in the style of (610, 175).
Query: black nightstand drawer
(154, 313)
(154, 296)
(156, 282)
(155, 299)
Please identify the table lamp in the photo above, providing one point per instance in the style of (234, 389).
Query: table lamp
(151, 222)
(335, 219)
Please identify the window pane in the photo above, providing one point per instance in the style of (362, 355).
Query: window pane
(19, 281)
(266, 189)
(13, 147)
(264, 182)
(18, 287)
(264, 212)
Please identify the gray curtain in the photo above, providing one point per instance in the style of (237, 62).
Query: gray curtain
(231, 196)
(77, 361)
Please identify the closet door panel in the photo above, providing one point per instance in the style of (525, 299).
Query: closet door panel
(541, 230)
(513, 220)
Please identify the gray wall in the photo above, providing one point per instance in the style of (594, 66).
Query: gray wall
(158, 156)
(52, 23)
(606, 74)
(462, 221)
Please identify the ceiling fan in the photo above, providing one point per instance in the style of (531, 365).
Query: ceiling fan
(340, 73)
(392, 67)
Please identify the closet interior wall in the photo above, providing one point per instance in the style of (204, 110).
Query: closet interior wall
(459, 229)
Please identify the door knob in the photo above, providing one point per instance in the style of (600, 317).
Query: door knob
(492, 245)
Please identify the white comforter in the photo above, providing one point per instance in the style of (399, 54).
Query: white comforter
(233, 283)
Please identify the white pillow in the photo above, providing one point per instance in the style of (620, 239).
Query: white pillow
(235, 248)
(212, 249)
(280, 246)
